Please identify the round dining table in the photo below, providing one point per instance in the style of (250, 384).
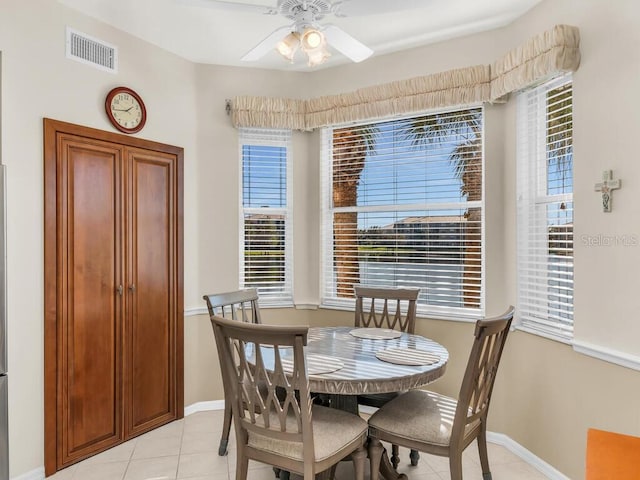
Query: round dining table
(344, 362)
(356, 352)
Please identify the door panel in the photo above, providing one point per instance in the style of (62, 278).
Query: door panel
(113, 289)
(90, 330)
(4, 366)
(151, 319)
(4, 428)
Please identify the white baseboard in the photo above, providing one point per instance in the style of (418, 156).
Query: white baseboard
(533, 460)
(203, 407)
(514, 447)
(493, 437)
(192, 312)
(497, 438)
(37, 474)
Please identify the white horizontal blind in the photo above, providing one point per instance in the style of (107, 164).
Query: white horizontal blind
(265, 236)
(403, 206)
(545, 208)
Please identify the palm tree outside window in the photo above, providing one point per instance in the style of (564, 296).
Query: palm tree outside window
(403, 206)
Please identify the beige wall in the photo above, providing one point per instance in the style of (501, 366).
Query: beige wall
(37, 82)
(546, 396)
(551, 394)
(605, 123)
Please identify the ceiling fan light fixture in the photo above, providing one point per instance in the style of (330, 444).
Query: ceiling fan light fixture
(317, 57)
(312, 39)
(288, 46)
(307, 33)
(314, 44)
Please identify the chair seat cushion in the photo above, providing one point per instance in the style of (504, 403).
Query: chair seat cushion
(418, 415)
(332, 430)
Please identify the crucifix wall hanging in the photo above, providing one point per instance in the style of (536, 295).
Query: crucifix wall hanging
(606, 188)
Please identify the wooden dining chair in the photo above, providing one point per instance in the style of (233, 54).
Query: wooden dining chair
(386, 307)
(239, 305)
(440, 425)
(290, 432)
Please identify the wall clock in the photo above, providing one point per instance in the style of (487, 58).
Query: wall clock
(126, 110)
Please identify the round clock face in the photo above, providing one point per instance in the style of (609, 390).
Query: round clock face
(126, 110)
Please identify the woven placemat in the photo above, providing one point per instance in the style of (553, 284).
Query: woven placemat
(407, 356)
(375, 333)
(316, 364)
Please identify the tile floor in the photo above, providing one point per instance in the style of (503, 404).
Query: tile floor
(187, 449)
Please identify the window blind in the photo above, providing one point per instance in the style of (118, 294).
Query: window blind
(403, 206)
(265, 237)
(545, 208)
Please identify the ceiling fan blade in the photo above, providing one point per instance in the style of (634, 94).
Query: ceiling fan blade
(266, 45)
(346, 44)
(238, 7)
(349, 8)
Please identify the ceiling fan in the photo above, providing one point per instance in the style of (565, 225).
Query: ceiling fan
(306, 33)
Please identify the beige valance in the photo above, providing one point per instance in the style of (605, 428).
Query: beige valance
(544, 56)
(267, 112)
(550, 53)
(455, 87)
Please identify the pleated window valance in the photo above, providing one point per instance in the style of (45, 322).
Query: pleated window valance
(548, 54)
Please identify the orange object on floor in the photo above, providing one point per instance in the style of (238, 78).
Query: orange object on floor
(612, 456)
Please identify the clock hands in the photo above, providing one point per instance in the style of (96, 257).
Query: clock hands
(123, 109)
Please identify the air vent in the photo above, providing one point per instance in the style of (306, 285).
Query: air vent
(91, 51)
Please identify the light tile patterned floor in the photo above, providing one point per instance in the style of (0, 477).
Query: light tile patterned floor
(187, 449)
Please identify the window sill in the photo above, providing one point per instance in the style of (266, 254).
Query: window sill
(599, 352)
(607, 354)
(426, 314)
(192, 312)
(543, 334)
(450, 317)
(265, 304)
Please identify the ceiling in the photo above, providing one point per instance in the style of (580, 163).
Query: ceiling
(221, 36)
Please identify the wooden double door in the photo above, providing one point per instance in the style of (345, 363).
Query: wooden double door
(113, 290)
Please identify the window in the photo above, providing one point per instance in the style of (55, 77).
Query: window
(266, 247)
(545, 209)
(403, 206)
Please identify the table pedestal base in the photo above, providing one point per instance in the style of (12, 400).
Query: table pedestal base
(349, 403)
(387, 471)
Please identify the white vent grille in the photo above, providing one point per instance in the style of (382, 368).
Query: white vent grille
(89, 50)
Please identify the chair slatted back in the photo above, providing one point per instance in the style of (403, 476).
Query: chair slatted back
(270, 393)
(477, 385)
(239, 305)
(382, 307)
